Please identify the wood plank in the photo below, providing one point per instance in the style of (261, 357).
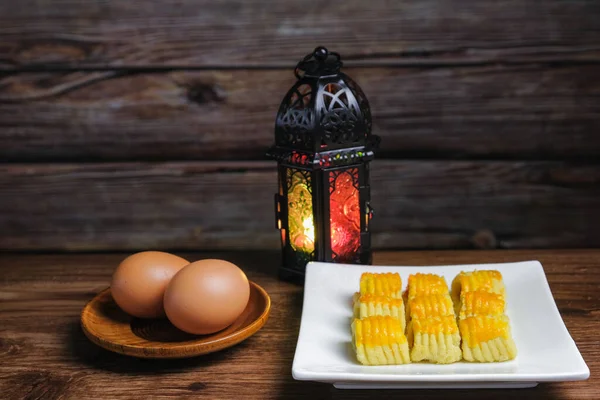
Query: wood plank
(46, 355)
(264, 33)
(492, 112)
(204, 205)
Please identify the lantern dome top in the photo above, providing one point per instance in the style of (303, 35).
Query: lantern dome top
(324, 116)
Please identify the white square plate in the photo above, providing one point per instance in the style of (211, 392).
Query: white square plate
(547, 353)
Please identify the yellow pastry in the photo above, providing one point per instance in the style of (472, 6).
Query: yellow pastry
(379, 341)
(425, 285)
(434, 339)
(384, 284)
(480, 303)
(487, 339)
(369, 305)
(482, 280)
(435, 305)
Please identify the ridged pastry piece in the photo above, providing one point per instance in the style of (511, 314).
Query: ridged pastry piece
(483, 280)
(481, 303)
(383, 284)
(355, 308)
(425, 285)
(487, 339)
(432, 306)
(379, 341)
(370, 305)
(434, 339)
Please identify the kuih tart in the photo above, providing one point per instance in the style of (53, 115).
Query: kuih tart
(481, 303)
(487, 339)
(387, 284)
(369, 305)
(478, 280)
(431, 306)
(425, 285)
(379, 341)
(434, 339)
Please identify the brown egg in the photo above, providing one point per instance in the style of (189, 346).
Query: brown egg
(139, 282)
(206, 296)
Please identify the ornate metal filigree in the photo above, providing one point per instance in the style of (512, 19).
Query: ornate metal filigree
(295, 118)
(325, 109)
(340, 113)
(363, 103)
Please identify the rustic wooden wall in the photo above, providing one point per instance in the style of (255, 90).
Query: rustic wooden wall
(144, 125)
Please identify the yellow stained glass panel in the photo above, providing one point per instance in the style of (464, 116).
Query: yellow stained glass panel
(300, 212)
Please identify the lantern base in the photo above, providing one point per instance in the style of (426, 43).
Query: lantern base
(291, 275)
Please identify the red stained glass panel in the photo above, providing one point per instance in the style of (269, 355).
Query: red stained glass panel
(345, 216)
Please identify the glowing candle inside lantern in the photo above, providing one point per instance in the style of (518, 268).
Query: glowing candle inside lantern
(309, 229)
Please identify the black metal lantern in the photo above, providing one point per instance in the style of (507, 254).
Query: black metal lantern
(323, 145)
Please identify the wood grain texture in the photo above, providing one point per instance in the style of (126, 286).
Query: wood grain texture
(106, 325)
(493, 112)
(218, 205)
(262, 33)
(46, 355)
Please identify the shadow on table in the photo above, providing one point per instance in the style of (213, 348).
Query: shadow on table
(93, 356)
(313, 390)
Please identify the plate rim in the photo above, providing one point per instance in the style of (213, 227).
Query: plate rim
(303, 374)
(198, 349)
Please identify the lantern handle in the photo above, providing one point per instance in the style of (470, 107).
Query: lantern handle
(317, 60)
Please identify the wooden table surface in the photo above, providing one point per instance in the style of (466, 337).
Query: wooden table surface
(44, 354)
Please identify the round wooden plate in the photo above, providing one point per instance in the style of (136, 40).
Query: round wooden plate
(105, 324)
